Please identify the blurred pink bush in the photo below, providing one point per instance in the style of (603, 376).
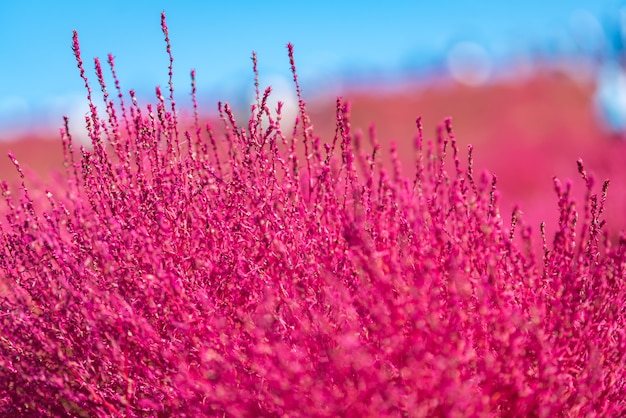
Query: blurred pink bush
(181, 274)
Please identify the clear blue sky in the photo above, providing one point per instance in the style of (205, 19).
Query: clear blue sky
(38, 73)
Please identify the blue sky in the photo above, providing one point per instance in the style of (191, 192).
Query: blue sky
(39, 79)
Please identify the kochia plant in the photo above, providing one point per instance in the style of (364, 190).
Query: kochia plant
(265, 273)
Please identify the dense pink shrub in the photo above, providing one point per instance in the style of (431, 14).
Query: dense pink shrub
(178, 273)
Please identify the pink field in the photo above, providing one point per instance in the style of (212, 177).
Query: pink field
(526, 134)
(185, 272)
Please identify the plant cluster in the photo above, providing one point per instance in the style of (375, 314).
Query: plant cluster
(266, 273)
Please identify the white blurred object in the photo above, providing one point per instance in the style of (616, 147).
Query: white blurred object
(587, 32)
(469, 63)
(283, 90)
(610, 97)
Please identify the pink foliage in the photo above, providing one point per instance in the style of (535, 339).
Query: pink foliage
(186, 274)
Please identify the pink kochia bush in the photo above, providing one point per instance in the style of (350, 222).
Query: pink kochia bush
(263, 273)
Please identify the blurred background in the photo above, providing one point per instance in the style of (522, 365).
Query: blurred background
(533, 85)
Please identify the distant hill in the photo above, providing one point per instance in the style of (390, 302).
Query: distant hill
(524, 133)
